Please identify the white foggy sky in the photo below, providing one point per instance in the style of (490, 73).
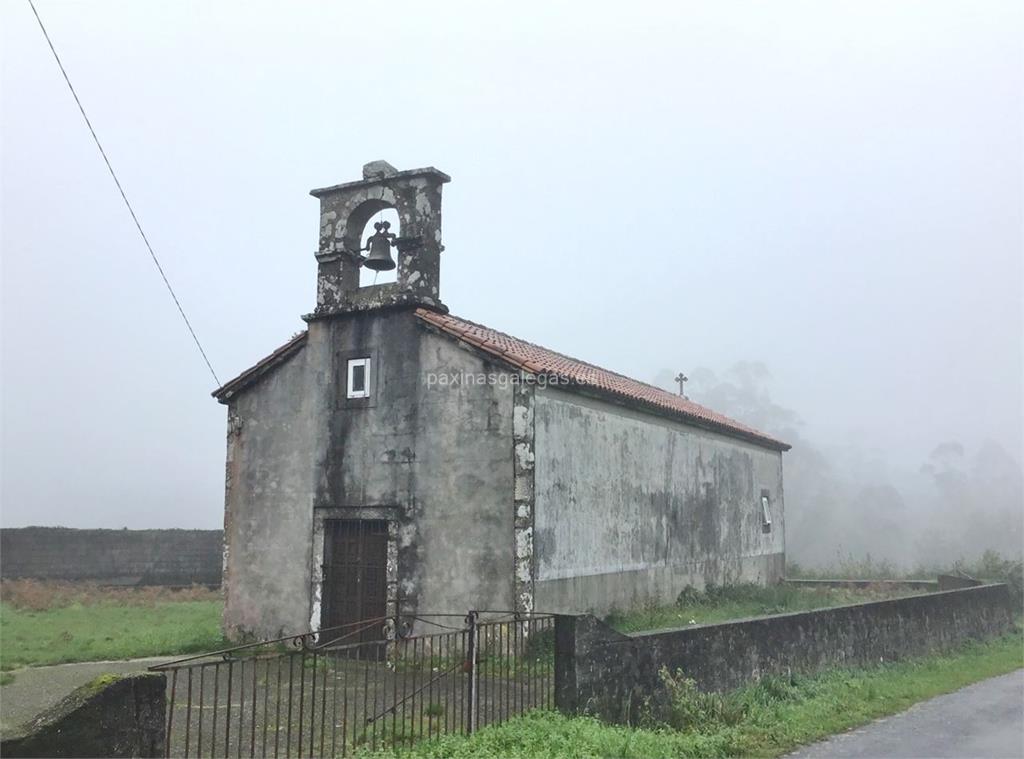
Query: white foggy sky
(831, 188)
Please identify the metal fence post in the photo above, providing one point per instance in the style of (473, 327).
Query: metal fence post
(473, 673)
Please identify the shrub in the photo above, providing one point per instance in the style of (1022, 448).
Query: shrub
(992, 566)
(772, 689)
(688, 708)
(849, 567)
(689, 596)
(773, 599)
(613, 617)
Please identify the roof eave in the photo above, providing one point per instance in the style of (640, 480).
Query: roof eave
(694, 421)
(677, 416)
(609, 395)
(227, 392)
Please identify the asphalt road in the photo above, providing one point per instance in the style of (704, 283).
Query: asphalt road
(982, 720)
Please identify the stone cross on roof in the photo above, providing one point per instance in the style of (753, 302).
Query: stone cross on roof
(682, 379)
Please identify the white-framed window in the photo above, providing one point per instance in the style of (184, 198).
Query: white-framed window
(358, 385)
(766, 511)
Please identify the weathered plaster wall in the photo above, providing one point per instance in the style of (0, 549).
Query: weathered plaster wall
(276, 446)
(602, 672)
(434, 458)
(500, 495)
(115, 557)
(465, 507)
(631, 508)
(437, 453)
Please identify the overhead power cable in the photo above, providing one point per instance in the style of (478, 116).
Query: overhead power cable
(124, 197)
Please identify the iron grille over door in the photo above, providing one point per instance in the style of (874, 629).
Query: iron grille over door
(355, 574)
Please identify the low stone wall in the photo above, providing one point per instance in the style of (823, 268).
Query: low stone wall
(114, 715)
(926, 585)
(602, 672)
(115, 557)
(954, 582)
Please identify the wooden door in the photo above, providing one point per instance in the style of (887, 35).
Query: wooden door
(355, 577)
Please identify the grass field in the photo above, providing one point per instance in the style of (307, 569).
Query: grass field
(767, 719)
(49, 623)
(52, 623)
(45, 623)
(720, 604)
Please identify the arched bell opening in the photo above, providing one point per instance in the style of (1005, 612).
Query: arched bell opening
(369, 233)
(376, 243)
(385, 230)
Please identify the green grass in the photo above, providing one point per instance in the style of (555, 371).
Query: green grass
(721, 604)
(766, 719)
(105, 630)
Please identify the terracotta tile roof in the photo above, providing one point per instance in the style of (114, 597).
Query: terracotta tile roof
(535, 359)
(542, 361)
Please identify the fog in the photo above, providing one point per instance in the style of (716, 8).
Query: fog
(814, 210)
(847, 501)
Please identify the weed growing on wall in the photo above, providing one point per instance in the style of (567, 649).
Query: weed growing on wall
(691, 709)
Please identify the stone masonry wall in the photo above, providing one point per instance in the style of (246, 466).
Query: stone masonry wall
(116, 557)
(602, 672)
(114, 715)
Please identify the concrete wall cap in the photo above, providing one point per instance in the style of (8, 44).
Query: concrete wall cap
(427, 171)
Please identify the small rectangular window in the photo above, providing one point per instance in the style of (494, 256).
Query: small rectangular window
(766, 513)
(358, 378)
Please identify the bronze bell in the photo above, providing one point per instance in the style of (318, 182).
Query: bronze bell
(379, 244)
